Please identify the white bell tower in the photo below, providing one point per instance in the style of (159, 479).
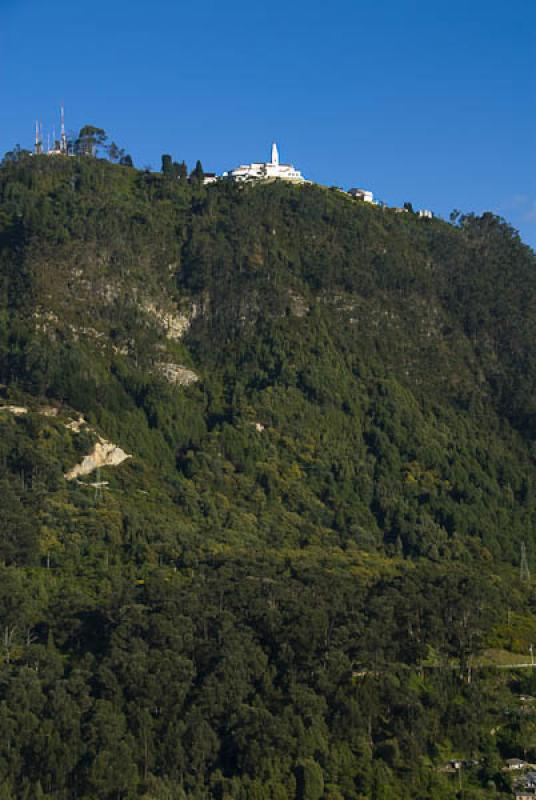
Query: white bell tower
(275, 155)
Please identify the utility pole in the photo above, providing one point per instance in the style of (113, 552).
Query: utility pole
(524, 571)
(98, 488)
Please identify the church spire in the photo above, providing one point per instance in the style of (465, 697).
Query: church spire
(275, 154)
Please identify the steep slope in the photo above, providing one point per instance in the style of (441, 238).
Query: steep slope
(388, 359)
(330, 413)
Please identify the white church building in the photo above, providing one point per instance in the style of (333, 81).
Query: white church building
(266, 171)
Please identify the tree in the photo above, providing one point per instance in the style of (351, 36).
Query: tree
(18, 537)
(126, 161)
(183, 170)
(310, 780)
(115, 153)
(17, 154)
(112, 770)
(197, 174)
(167, 165)
(90, 140)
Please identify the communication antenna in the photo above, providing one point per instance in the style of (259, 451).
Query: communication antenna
(63, 141)
(38, 144)
(524, 571)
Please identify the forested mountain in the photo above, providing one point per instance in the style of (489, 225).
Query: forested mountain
(302, 559)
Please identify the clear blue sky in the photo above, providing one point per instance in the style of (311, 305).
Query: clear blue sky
(432, 102)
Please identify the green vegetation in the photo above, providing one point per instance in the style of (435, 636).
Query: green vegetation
(305, 582)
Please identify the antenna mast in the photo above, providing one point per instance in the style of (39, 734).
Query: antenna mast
(63, 140)
(38, 139)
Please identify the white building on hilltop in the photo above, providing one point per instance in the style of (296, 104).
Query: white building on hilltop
(362, 194)
(266, 171)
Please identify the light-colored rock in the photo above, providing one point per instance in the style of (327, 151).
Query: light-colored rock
(17, 410)
(104, 454)
(49, 411)
(174, 325)
(86, 333)
(176, 373)
(298, 305)
(76, 424)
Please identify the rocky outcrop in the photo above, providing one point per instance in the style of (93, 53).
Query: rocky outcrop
(17, 410)
(176, 373)
(174, 325)
(75, 425)
(298, 306)
(104, 454)
(45, 411)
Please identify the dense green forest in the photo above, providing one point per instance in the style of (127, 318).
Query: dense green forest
(310, 579)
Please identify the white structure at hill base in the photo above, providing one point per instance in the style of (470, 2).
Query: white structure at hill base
(265, 171)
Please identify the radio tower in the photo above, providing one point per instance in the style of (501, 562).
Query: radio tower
(524, 571)
(38, 140)
(63, 139)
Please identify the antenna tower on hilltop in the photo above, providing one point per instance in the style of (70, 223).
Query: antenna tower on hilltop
(63, 139)
(38, 139)
(57, 146)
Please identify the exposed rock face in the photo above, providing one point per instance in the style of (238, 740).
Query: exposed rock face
(17, 410)
(174, 325)
(45, 411)
(49, 411)
(298, 305)
(76, 424)
(177, 374)
(104, 454)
